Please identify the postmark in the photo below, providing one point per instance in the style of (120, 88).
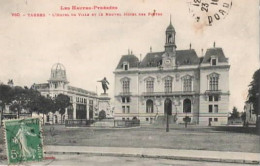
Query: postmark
(23, 140)
(209, 11)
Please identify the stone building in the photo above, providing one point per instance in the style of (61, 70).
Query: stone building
(85, 104)
(172, 81)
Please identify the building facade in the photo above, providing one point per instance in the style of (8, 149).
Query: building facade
(173, 82)
(84, 103)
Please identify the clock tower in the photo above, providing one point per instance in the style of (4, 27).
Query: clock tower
(169, 55)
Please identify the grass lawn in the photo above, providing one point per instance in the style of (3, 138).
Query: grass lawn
(236, 139)
(214, 138)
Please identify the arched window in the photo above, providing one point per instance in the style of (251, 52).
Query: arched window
(187, 106)
(149, 106)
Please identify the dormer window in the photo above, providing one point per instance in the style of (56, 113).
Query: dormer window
(213, 61)
(125, 66)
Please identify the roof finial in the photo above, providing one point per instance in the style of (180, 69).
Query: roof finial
(170, 18)
(214, 44)
(128, 51)
(151, 49)
(202, 51)
(190, 46)
(140, 57)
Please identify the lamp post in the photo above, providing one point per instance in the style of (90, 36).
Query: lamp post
(167, 122)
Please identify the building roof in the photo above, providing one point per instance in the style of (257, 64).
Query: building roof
(152, 59)
(80, 90)
(187, 57)
(41, 86)
(131, 59)
(218, 52)
(183, 57)
(170, 28)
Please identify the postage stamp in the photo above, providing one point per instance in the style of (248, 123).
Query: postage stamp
(209, 11)
(23, 140)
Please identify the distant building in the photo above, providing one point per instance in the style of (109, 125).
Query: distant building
(173, 82)
(85, 104)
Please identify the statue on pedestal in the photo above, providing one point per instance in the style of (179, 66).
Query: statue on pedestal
(104, 83)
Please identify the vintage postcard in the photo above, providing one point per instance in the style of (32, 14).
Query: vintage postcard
(140, 82)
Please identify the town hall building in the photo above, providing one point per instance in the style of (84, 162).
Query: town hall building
(173, 82)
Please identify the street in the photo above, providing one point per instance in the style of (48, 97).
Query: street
(90, 160)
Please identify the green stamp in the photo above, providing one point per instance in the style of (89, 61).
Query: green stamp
(23, 140)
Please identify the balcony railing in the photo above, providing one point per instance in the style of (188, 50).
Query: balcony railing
(168, 93)
(125, 94)
(212, 92)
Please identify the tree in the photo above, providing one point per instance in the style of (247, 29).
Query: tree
(5, 98)
(235, 113)
(61, 103)
(253, 95)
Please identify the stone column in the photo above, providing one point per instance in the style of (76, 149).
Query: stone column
(74, 110)
(87, 108)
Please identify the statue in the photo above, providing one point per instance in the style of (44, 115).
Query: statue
(104, 83)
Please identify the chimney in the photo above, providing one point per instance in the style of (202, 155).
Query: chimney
(151, 49)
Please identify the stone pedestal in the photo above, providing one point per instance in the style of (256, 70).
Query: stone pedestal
(104, 104)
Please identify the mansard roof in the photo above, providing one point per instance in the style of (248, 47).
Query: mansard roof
(218, 52)
(183, 57)
(152, 59)
(187, 57)
(132, 60)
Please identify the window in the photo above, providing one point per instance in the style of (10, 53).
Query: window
(147, 119)
(215, 108)
(128, 109)
(149, 85)
(215, 119)
(213, 62)
(187, 84)
(168, 85)
(149, 106)
(125, 66)
(210, 108)
(213, 83)
(123, 109)
(123, 118)
(125, 99)
(126, 88)
(213, 97)
(187, 106)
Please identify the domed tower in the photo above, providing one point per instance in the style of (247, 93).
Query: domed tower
(58, 78)
(170, 45)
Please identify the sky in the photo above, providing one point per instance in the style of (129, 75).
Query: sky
(91, 47)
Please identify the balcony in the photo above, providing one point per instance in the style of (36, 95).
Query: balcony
(212, 92)
(174, 93)
(125, 94)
